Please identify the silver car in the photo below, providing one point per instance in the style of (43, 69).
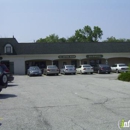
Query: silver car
(34, 70)
(51, 69)
(68, 69)
(85, 68)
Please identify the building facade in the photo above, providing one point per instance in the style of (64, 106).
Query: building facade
(19, 56)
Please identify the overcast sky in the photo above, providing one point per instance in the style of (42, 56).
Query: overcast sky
(29, 20)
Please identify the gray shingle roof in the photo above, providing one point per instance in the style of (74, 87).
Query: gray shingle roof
(65, 48)
(8, 40)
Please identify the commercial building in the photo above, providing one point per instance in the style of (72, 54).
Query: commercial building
(19, 56)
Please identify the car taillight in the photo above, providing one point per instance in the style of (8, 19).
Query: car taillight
(101, 68)
(57, 70)
(7, 70)
(66, 69)
(84, 69)
(92, 68)
(48, 70)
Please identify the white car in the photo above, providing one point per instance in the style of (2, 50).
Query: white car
(120, 67)
(68, 69)
(85, 68)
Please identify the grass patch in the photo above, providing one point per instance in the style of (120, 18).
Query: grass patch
(124, 76)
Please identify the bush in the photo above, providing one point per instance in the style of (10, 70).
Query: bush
(124, 76)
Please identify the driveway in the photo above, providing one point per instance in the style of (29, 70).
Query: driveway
(65, 102)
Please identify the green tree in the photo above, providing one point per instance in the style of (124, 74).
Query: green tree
(52, 38)
(71, 39)
(113, 39)
(49, 39)
(62, 40)
(97, 34)
(88, 35)
(41, 40)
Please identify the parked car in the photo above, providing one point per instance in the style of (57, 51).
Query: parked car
(7, 72)
(85, 68)
(3, 79)
(68, 69)
(102, 68)
(34, 70)
(120, 67)
(51, 69)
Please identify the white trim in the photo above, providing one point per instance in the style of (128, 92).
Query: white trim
(8, 45)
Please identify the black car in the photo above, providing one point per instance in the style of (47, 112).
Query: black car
(102, 68)
(7, 72)
(3, 79)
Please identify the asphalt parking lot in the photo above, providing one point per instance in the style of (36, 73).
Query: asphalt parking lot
(65, 102)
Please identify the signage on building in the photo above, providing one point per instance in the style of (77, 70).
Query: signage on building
(66, 56)
(94, 56)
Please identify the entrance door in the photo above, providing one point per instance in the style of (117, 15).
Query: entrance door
(55, 62)
(74, 62)
(94, 62)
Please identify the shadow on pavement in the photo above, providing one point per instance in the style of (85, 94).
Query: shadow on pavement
(52, 75)
(12, 85)
(4, 96)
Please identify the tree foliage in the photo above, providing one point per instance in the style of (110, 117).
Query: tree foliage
(49, 39)
(113, 39)
(87, 34)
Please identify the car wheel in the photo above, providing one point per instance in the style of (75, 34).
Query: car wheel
(99, 72)
(117, 71)
(4, 80)
(91, 72)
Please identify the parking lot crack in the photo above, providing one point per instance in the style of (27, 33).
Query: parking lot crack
(42, 122)
(76, 124)
(98, 103)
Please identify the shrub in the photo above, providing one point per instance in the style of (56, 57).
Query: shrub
(124, 76)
